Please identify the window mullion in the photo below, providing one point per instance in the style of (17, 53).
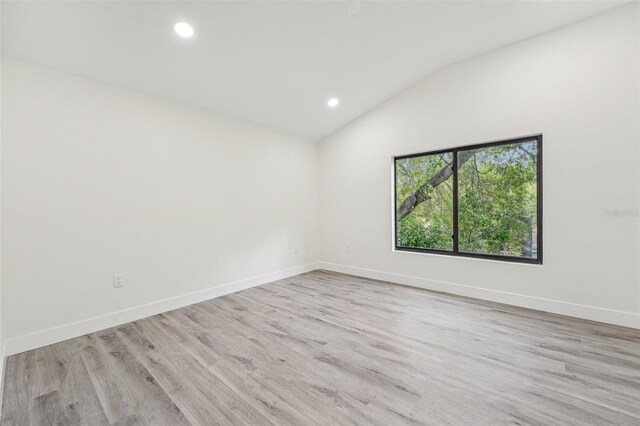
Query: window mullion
(455, 202)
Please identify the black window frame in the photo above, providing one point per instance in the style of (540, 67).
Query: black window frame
(455, 252)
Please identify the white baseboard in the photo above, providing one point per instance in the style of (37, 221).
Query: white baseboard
(593, 313)
(68, 331)
(3, 362)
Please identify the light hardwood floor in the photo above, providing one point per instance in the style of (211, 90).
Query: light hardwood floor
(326, 348)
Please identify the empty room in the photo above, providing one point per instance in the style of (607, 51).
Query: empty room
(319, 213)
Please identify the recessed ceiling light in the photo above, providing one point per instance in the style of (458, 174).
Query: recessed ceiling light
(333, 102)
(183, 29)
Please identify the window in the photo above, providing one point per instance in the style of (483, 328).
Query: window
(477, 201)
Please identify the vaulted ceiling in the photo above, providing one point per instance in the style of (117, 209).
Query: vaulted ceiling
(274, 64)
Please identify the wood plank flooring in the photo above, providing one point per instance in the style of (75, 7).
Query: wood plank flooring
(326, 348)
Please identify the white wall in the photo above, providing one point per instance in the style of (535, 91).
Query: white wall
(2, 342)
(578, 86)
(97, 180)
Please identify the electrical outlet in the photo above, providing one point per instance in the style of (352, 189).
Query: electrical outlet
(347, 249)
(118, 280)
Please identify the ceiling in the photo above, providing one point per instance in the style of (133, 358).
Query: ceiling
(274, 64)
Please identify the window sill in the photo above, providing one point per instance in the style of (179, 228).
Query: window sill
(463, 257)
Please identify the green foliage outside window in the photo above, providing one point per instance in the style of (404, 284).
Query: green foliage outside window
(430, 225)
(497, 200)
